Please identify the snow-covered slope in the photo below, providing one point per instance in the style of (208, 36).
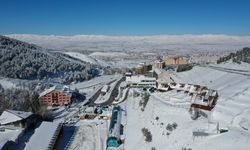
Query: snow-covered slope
(27, 61)
(234, 92)
(232, 65)
(83, 57)
(108, 54)
(232, 112)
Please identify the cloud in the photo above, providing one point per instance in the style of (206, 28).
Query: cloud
(139, 43)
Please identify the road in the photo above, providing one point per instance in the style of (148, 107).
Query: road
(96, 94)
(235, 71)
(114, 93)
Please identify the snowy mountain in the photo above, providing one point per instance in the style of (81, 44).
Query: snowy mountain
(27, 61)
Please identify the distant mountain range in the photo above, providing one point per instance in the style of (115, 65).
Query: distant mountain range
(27, 61)
(211, 42)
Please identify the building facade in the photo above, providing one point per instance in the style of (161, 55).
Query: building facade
(175, 61)
(17, 119)
(143, 68)
(141, 81)
(56, 95)
(159, 62)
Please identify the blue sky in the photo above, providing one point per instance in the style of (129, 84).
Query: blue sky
(125, 17)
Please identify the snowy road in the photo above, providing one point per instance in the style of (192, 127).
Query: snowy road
(112, 93)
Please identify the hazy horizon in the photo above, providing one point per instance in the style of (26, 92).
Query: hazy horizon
(129, 35)
(139, 43)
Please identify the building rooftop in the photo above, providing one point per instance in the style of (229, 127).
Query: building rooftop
(140, 78)
(64, 89)
(43, 136)
(9, 116)
(163, 76)
(157, 71)
(164, 79)
(9, 135)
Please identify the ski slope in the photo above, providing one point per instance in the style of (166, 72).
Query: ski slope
(82, 57)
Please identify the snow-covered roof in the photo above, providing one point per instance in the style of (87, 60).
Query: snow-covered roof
(64, 89)
(9, 135)
(105, 88)
(157, 71)
(9, 116)
(47, 91)
(140, 78)
(43, 136)
(165, 78)
(128, 73)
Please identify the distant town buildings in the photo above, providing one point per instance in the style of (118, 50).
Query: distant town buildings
(169, 63)
(175, 61)
(143, 68)
(159, 63)
(56, 95)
